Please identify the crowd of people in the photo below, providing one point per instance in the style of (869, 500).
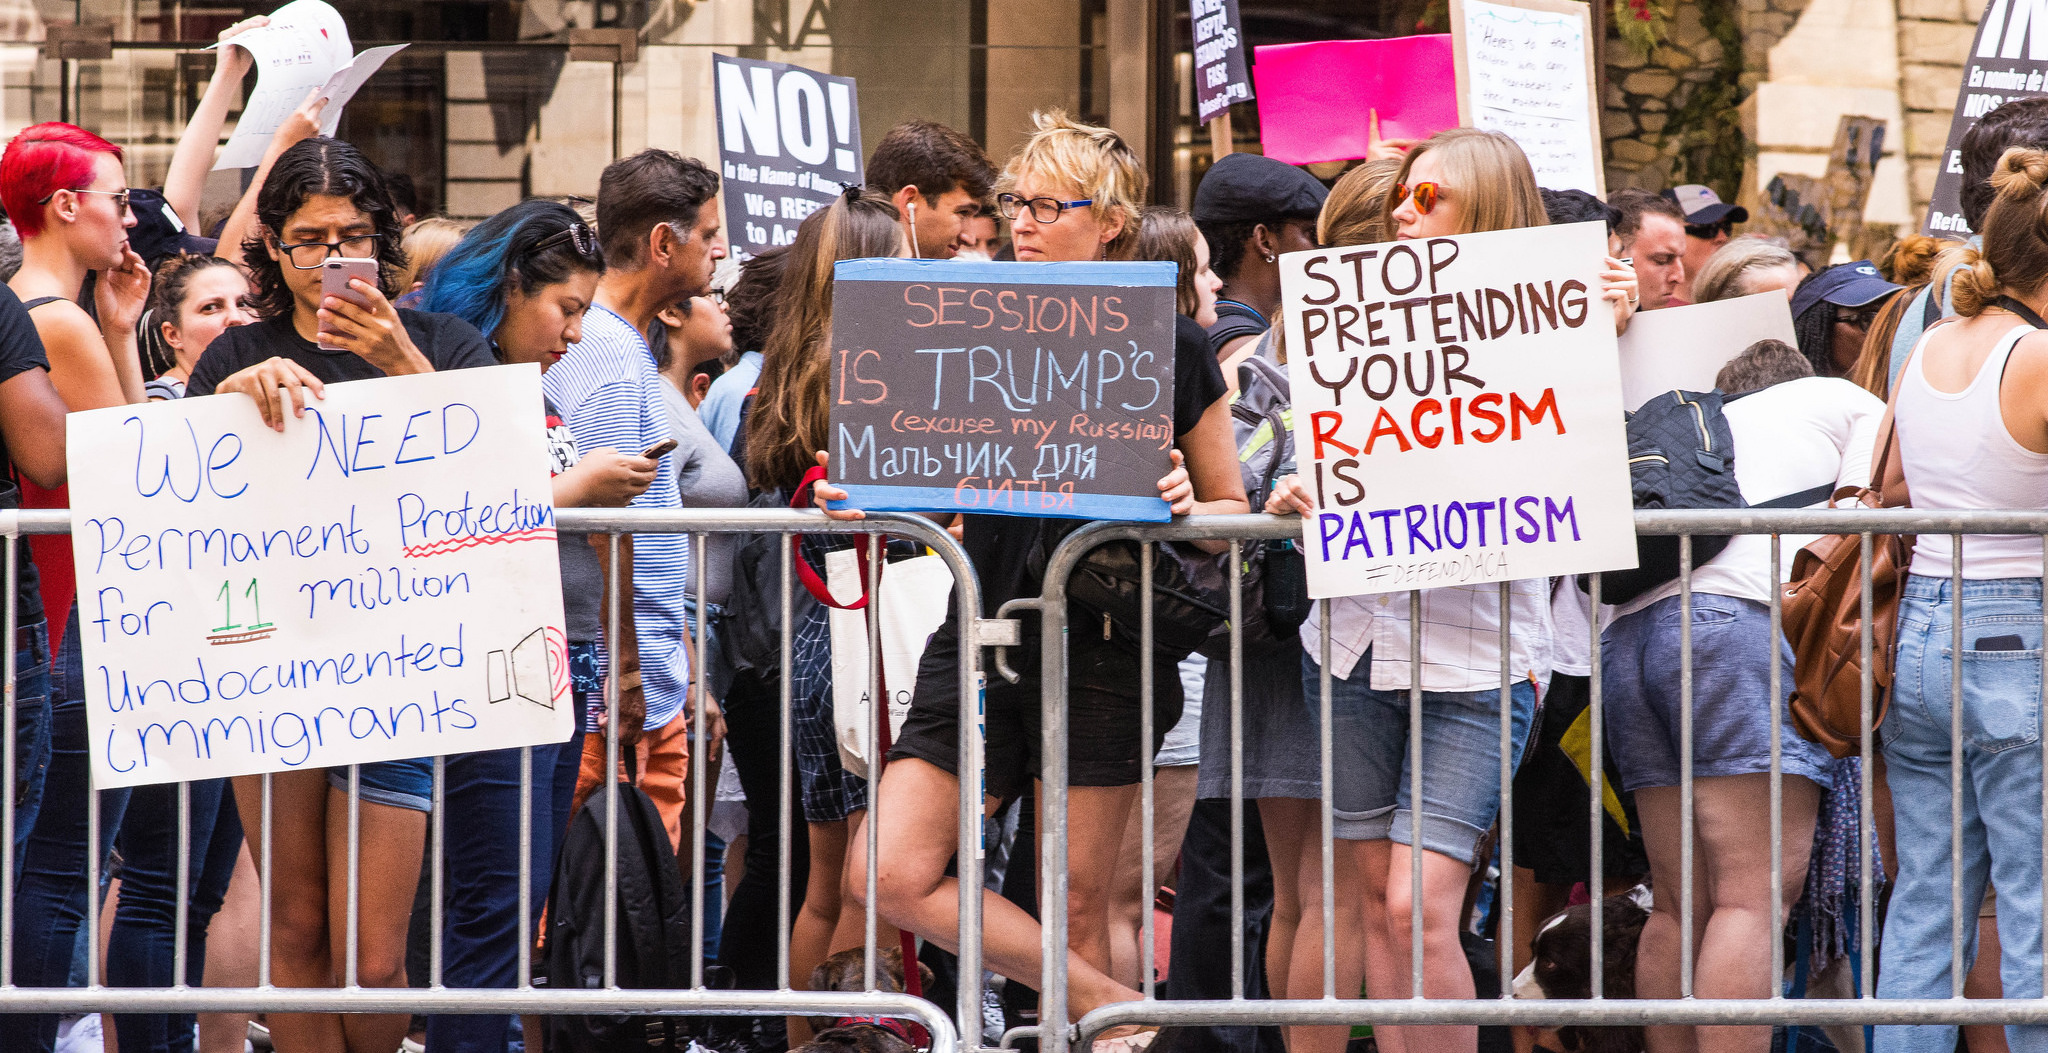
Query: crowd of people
(648, 336)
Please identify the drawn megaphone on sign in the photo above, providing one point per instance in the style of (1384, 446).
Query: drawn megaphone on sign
(523, 671)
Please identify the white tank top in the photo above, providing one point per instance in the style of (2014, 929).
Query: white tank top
(1957, 453)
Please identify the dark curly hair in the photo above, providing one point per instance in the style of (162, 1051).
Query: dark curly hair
(311, 168)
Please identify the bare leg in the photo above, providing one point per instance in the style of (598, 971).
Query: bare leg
(1734, 952)
(1131, 891)
(1095, 827)
(1294, 842)
(299, 951)
(391, 844)
(810, 935)
(231, 954)
(1445, 972)
(1385, 977)
(918, 805)
(1657, 968)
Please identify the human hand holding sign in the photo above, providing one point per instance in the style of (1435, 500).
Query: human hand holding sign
(1377, 148)
(278, 385)
(1620, 291)
(1175, 488)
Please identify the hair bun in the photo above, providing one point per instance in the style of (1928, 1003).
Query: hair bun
(2021, 171)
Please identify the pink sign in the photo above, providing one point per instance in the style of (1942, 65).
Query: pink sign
(1315, 99)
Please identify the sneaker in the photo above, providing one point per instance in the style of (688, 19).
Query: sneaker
(80, 1034)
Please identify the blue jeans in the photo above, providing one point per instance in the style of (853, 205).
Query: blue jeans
(1460, 759)
(2001, 791)
(140, 951)
(483, 946)
(49, 903)
(31, 732)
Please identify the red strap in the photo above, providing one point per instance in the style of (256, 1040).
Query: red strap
(813, 581)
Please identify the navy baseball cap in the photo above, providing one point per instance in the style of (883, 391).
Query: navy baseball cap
(158, 232)
(1702, 206)
(1848, 285)
(1251, 188)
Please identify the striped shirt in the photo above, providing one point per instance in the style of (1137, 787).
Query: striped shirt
(609, 392)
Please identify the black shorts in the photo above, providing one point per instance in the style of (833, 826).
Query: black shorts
(1551, 800)
(1103, 718)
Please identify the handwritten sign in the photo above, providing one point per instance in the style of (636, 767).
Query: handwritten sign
(305, 46)
(381, 581)
(2007, 61)
(1684, 348)
(787, 139)
(1220, 77)
(1032, 389)
(1457, 408)
(1312, 96)
(1525, 69)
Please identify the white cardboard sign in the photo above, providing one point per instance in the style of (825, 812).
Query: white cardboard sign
(1457, 408)
(1684, 348)
(1525, 68)
(380, 581)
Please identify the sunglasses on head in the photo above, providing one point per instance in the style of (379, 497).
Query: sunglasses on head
(579, 236)
(1425, 195)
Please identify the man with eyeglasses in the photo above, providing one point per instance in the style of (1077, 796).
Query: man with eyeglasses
(1709, 223)
(658, 223)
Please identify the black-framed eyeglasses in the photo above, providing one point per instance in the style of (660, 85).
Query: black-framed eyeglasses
(308, 255)
(1043, 209)
(579, 236)
(1710, 231)
(120, 196)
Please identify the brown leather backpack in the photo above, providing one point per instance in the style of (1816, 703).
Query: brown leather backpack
(1823, 614)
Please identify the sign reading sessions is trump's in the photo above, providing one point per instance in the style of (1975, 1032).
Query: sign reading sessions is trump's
(1457, 408)
(1032, 389)
(380, 581)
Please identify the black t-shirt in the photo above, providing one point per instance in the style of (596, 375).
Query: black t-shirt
(999, 545)
(447, 341)
(1234, 320)
(20, 351)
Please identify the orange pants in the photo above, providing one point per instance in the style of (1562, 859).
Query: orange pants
(664, 758)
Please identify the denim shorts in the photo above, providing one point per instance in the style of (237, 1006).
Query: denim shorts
(1460, 759)
(396, 783)
(1731, 694)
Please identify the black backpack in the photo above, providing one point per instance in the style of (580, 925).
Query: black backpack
(1681, 454)
(1275, 573)
(655, 942)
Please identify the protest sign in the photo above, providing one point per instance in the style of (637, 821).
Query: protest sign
(1457, 410)
(1525, 68)
(1311, 96)
(1220, 76)
(305, 46)
(1684, 348)
(379, 581)
(1031, 389)
(788, 143)
(2007, 61)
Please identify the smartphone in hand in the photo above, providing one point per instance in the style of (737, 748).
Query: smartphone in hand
(658, 450)
(335, 274)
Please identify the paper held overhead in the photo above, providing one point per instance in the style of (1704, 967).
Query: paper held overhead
(1314, 98)
(305, 46)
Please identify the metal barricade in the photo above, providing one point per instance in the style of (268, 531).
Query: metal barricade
(1392, 1008)
(958, 1030)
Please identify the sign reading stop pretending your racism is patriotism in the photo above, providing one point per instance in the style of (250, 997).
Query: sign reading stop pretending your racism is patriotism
(380, 581)
(1033, 389)
(1457, 408)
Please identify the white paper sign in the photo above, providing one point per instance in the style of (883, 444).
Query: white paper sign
(1525, 73)
(305, 46)
(1684, 348)
(381, 581)
(1457, 410)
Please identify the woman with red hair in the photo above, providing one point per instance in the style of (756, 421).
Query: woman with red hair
(64, 190)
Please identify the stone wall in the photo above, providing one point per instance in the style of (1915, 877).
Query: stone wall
(1643, 90)
(1934, 39)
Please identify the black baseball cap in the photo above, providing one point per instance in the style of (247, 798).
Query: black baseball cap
(158, 232)
(1253, 187)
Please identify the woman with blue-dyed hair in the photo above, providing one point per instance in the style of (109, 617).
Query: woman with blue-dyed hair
(524, 278)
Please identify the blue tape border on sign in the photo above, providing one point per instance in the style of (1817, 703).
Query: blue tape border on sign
(1004, 272)
(941, 499)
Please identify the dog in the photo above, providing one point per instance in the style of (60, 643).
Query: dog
(846, 971)
(1562, 966)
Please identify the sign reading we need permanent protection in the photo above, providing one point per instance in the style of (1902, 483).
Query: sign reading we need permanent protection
(380, 581)
(1032, 389)
(1457, 408)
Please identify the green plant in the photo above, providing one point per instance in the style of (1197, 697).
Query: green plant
(1707, 126)
(1641, 22)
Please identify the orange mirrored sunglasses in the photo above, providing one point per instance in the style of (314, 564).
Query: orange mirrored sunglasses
(1425, 195)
